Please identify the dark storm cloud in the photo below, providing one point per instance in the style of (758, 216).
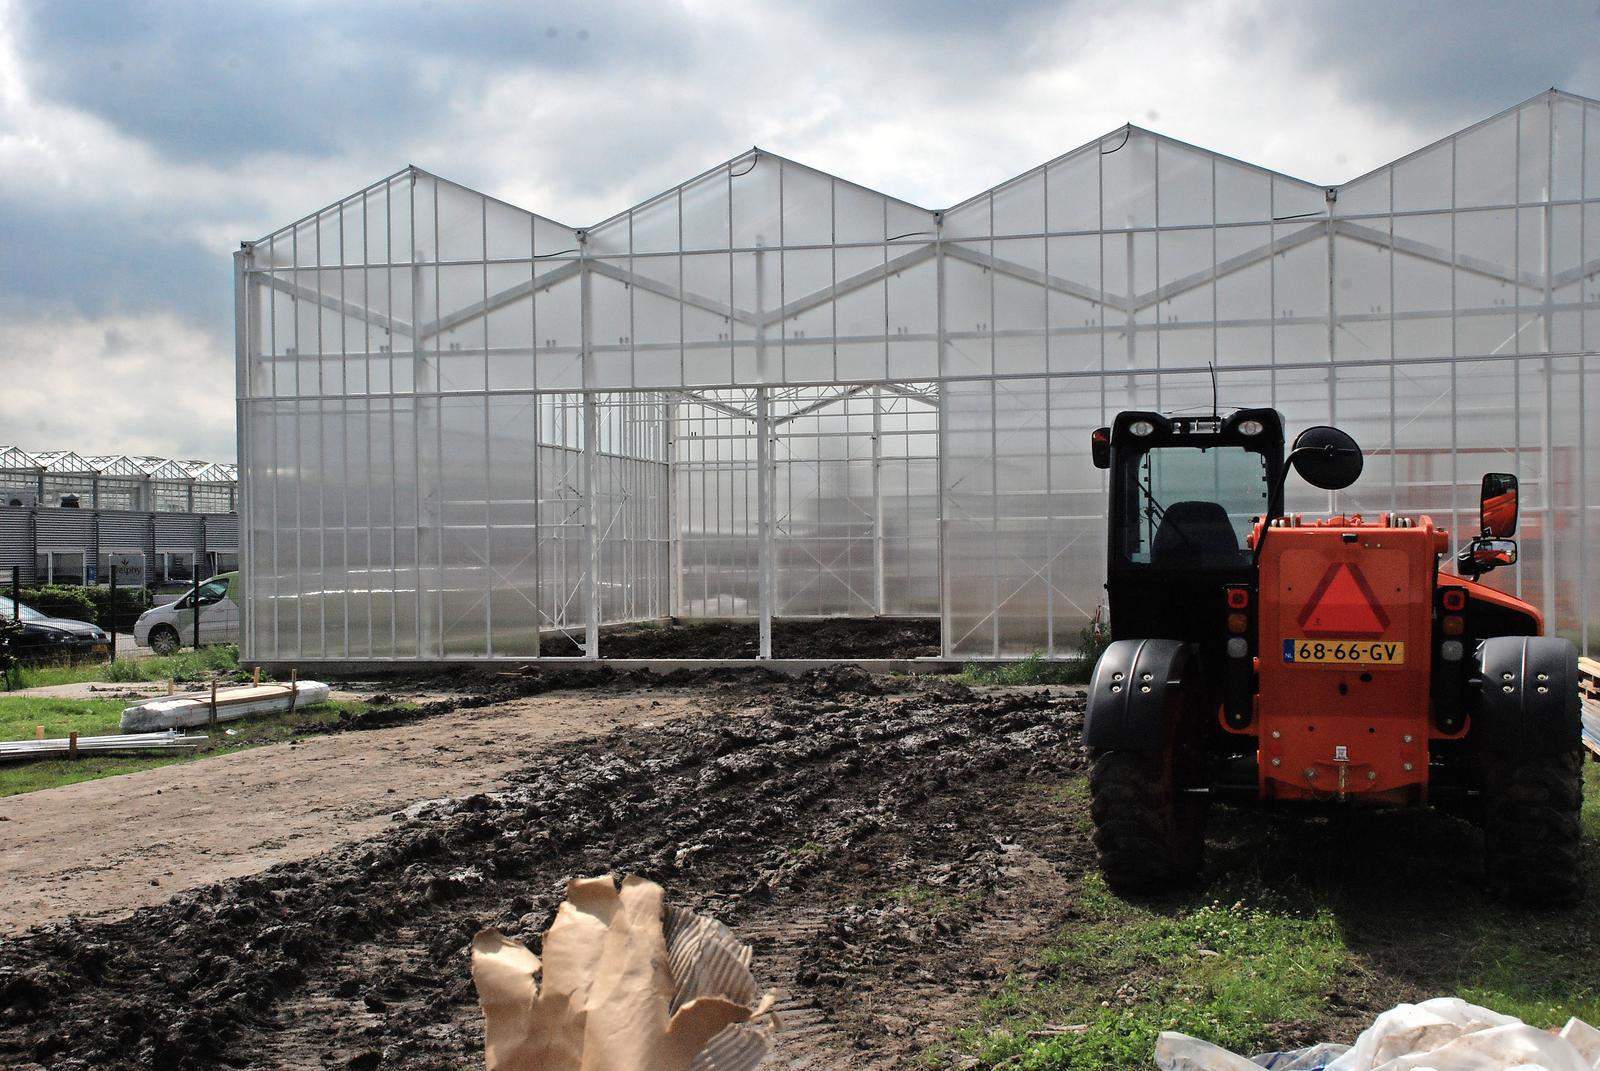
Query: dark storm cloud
(1441, 63)
(201, 80)
(64, 257)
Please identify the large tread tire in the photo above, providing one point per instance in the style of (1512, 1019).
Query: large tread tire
(1532, 837)
(1149, 836)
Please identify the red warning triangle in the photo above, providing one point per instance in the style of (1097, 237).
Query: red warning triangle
(1343, 605)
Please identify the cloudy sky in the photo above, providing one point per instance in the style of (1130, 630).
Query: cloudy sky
(141, 141)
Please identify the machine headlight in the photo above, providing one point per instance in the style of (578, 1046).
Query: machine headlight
(1142, 428)
(1238, 647)
(1251, 427)
(1450, 650)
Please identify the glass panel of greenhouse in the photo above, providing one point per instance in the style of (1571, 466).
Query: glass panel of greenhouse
(472, 432)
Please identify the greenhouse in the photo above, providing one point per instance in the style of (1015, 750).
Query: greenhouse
(468, 431)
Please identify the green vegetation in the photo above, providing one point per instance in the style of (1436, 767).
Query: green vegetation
(20, 715)
(60, 600)
(1224, 973)
(92, 604)
(1035, 669)
(1303, 914)
(186, 665)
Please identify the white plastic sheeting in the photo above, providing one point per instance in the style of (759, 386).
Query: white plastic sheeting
(1444, 1034)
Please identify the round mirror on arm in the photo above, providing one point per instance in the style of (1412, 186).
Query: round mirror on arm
(1327, 458)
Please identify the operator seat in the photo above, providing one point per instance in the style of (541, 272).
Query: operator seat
(1193, 534)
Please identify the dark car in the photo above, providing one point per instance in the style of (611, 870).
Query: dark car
(51, 639)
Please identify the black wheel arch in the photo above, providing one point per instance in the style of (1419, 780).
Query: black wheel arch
(1138, 690)
(1528, 700)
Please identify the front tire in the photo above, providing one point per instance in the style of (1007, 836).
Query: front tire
(1150, 835)
(164, 640)
(1532, 837)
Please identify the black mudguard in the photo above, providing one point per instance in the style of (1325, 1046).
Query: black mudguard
(1138, 688)
(1529, 701)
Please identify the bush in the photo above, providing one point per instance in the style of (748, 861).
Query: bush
(58, 600)
(131, 602)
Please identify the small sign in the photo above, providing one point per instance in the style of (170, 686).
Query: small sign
(1340, 754)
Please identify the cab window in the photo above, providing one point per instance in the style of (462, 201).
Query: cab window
(1192, 507)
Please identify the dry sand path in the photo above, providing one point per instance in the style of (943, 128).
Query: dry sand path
(101, 849)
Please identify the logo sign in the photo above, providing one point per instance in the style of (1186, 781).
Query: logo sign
(1344, 604)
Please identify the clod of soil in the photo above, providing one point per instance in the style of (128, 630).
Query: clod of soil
(843, 637)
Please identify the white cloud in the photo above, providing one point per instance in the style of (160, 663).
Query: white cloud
(146, 384)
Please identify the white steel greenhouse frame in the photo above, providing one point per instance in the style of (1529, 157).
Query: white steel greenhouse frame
(467, 431)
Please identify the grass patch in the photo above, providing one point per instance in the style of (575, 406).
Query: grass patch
(1222, 972)
(222, 659)
(19, 715)
(1318, 922)
(1035, 669)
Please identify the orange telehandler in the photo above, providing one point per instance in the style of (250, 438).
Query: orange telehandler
(1259, 658)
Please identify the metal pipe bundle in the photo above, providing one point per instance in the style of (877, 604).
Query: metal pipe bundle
(57, 747)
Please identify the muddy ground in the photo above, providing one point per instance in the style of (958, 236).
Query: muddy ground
(893, 849)
(844, 637)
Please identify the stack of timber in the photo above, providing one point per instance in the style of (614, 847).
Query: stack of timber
(1589, 686)
(220, 704)
(74, 745)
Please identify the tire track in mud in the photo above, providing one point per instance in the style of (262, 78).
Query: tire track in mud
(889, 857)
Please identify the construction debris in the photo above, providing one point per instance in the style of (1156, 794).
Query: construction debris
(1443, 1034)
(13, 750)
(225, 704)
(627, 984)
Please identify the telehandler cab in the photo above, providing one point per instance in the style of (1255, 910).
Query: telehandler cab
(1261, 658)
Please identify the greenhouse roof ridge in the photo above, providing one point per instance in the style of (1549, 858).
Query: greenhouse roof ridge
(1093, 144)
(14, 458)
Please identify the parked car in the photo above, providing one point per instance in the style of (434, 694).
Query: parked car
(50, 639)
(165, 628)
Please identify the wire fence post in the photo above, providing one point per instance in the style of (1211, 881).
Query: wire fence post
(194, 606)
(113, 579)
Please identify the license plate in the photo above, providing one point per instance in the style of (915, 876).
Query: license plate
(99, 648)
(1344, 652)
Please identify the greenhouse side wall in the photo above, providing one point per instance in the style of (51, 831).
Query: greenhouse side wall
(468, 431)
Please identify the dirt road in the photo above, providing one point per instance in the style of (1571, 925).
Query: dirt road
(101, 849)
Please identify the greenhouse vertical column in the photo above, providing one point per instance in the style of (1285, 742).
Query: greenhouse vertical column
(243, 358)
(764, 516)
(877, 500)
(765, 465)
(591, 461)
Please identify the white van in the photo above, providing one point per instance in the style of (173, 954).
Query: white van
(164, 629)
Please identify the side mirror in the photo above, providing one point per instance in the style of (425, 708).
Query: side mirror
(1327, 458)
(1497, 507)
(1486, 553)
(1100, 448)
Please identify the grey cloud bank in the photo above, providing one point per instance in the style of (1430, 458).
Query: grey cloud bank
(140, 142)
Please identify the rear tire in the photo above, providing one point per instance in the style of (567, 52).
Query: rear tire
(164, 640)
(1149, 835)
(1532, 838)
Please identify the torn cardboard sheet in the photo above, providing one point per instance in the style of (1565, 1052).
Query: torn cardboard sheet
(1443, 1034)
(627, 984)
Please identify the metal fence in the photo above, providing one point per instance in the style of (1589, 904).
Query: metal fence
(771, 391)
